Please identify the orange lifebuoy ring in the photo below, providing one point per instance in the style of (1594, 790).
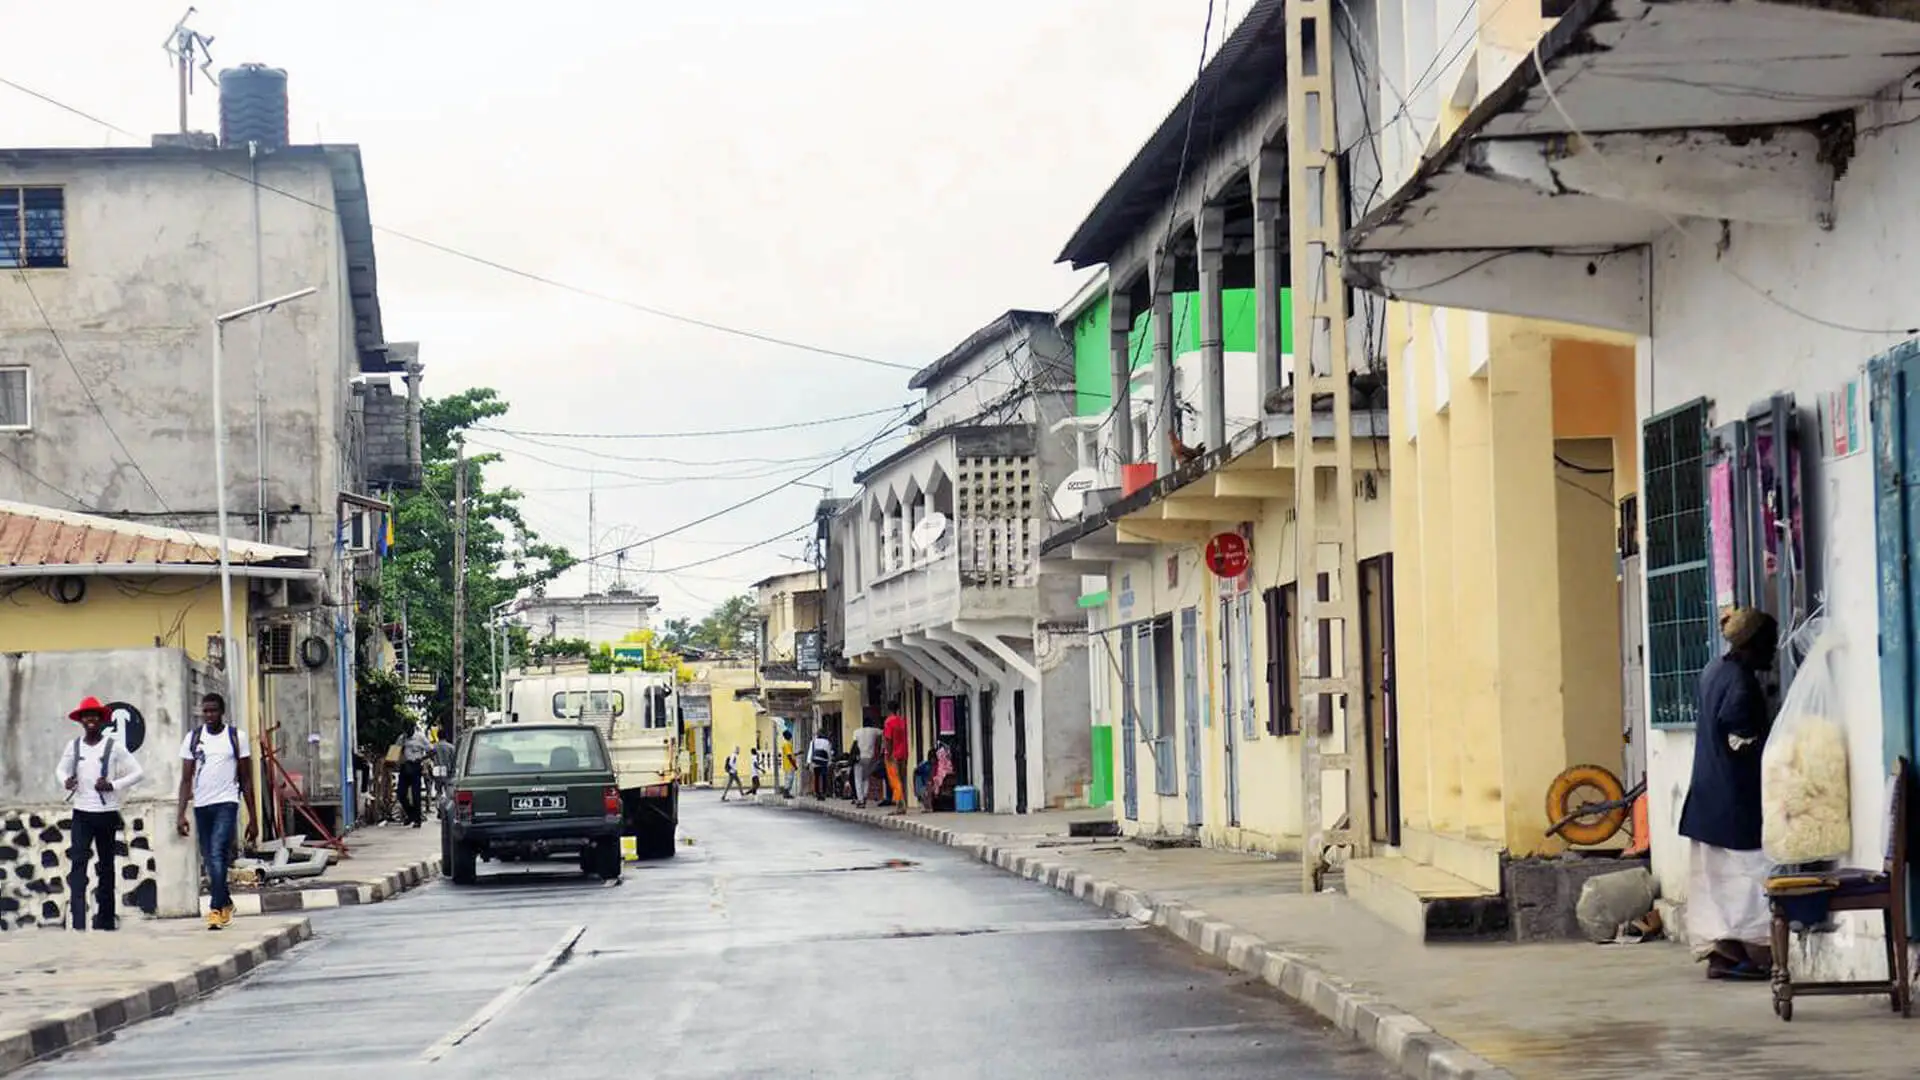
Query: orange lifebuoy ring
(1586, 785)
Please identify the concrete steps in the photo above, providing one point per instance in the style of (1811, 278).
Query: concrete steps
(1426, 902)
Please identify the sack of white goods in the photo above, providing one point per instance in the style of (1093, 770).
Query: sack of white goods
(1805, 802)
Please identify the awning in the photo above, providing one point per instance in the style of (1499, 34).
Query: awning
(1544, 201)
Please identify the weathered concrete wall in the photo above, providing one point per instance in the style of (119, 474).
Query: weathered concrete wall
(156, 248)
(160, 872)
(1065, 719)
(1716, 337)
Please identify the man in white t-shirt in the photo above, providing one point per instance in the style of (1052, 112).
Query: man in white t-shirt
(868, 769)
(216, 774)
(94, 770)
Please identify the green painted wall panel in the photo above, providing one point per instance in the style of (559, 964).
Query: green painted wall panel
(1102, 792)
(1093, 381)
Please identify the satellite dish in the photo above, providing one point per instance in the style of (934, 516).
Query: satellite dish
(1071, 496)
(930, 530)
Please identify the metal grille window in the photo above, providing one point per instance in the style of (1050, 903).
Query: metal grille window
(33, 227)
(1680, 617)
(16, 398)
(1282, 643)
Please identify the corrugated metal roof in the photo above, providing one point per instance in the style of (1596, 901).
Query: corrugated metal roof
(42, 536)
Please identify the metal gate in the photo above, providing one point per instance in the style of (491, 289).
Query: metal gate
(1190, 685)
(1129, 734)
(1230, 706)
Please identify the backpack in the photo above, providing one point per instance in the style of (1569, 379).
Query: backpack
(106, 758)
(233, 740)
(822, 755)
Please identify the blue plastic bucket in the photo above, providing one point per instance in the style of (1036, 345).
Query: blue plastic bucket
(966, 799)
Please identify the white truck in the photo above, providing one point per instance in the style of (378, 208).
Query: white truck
(638, 712)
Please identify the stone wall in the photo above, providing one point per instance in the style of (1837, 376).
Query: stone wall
(34, 845)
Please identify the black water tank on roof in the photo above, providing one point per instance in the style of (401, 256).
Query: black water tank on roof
(253, 106)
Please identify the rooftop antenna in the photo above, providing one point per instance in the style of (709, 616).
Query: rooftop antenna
(184, 45)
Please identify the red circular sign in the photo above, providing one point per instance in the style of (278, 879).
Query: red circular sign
(1227, 555)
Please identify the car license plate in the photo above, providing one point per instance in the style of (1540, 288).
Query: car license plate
(536, 803)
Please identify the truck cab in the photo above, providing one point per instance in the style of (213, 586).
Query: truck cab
(638, 714)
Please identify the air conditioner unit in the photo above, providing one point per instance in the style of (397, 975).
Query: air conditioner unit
(276, 648)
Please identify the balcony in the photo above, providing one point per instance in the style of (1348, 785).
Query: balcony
(985, 568)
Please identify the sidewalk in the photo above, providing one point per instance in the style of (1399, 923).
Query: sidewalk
(382, 861)
(1570, 1012)
(60, 989)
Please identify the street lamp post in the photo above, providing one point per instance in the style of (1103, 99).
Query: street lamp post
(234, 660)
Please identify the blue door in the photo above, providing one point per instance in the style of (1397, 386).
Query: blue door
(1895, 399)
(1129, 732)
(1229, 711)
(1190, 704)
(1894, 378)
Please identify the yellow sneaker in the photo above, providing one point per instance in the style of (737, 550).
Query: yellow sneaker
(213, 920)
(226, 916)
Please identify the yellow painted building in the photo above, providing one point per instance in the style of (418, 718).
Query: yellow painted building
(71, 582)
(1211, 745)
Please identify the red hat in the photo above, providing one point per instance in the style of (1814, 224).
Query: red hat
(88, 704)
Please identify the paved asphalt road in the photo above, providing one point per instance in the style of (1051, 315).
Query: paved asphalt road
(778, 945)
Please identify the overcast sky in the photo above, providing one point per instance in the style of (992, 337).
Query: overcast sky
(874, 177)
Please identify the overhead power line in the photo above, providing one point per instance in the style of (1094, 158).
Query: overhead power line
(821, 422)
(495, 264)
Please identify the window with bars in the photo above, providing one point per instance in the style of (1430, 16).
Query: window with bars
(16, 398)
(1678, 562)
(33, 227)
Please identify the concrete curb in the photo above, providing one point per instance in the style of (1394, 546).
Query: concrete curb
(78, 1027)
(1402, 1038)
(346, 894)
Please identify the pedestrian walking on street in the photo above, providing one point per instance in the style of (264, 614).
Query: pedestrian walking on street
(867, 764)
(733, 776)
(414, 752)
(94, 771)
(898, 772)
(791, 784)
(1728, 918)
(216, 775)
(821, 758)
(442, 764)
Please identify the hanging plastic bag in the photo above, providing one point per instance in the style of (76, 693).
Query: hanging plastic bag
(1805, 801)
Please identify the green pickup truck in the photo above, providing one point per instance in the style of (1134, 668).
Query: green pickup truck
(522, 791)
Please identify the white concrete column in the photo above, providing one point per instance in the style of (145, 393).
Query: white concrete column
(1210, 236)
(1269, 266)
(1119, 323)
(1160, 427)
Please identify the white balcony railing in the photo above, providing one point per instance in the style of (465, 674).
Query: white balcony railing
(992, 562)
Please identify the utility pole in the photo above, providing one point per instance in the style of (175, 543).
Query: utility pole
(459, 585)
(1326, 566)
(592, 540)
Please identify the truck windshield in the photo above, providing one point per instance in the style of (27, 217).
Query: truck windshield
(501, 751)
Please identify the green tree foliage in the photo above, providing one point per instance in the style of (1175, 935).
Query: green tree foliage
(731, 627)
(504, 556)
(384, 715)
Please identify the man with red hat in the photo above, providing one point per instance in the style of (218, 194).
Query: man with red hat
(95, 769)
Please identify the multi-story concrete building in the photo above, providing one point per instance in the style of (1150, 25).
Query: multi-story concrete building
(1685, 218)
(119, 260)
(601, 618)
(938, 567)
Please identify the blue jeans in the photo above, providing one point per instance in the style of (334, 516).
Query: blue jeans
(215, 825)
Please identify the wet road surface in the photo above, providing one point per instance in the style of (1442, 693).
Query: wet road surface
(777, 945)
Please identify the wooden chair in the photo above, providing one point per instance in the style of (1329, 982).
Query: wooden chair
(1883, 890)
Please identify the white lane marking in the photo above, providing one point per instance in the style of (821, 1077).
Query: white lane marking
(504, 998)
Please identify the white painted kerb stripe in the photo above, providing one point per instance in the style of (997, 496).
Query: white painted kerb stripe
(506, 997)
